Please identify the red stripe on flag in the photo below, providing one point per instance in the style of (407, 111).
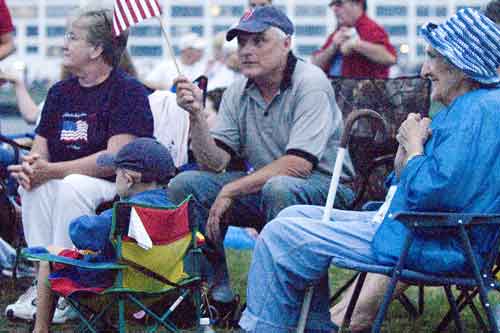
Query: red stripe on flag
(132, 11)
(150, 7)
(139, 10)
(116, 25)
(122, 14)
(143, 13)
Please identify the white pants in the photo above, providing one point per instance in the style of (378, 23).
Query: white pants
(48, 209)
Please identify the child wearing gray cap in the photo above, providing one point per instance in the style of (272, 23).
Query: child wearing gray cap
(142, 167)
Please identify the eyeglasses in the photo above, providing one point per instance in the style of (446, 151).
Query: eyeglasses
(71, 37)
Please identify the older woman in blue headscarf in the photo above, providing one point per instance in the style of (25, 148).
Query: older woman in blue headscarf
(451, 164)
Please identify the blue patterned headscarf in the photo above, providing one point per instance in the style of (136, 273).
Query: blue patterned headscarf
(470, 41)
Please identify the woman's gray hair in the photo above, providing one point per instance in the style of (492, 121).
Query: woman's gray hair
(100, 33)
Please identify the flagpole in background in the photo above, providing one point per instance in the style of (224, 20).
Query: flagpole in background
(129, 12)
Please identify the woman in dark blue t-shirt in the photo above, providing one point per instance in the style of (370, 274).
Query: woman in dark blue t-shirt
(98, 110)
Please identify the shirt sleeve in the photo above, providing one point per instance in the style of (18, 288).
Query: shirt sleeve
(6, 25)
(327, 44)
(313, 125)
(435, 181)
(48, 116)
(226, 129)
(132, 113)
(377, 35)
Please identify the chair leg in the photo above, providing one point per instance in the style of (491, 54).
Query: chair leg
(342, 289)
(454, 309)
(487, 307)
(121, 315)
(421, 301)
(304, 311)
(408, 305)
(352, 303)
(479, 318)
(463, 299)
(197, 303)
(377, 325)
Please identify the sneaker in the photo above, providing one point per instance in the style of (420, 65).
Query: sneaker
(64, 312)
(227, 313)
(25, 306)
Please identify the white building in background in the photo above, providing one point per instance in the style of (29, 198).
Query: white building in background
(40, 26)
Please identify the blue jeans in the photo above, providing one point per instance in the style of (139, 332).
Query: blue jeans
(253, 210)
(294, 251)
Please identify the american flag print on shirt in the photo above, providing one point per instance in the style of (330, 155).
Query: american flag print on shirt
(74, 129)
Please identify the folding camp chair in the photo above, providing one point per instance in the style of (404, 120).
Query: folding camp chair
(143, 276)
(10, 211)
(372, 148)
(447, 225)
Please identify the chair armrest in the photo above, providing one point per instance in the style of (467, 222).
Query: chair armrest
(417, 220)
(371, 206)
(46, 256)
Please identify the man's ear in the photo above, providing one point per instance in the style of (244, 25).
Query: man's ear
(98, 49)
(130, 180)
(288, 42)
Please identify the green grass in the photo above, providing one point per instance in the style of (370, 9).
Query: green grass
(239, 261)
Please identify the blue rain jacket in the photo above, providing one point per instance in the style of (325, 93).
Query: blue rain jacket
(459, 172)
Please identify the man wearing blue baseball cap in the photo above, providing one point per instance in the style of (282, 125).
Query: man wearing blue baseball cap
(449, 164)
(281, 119)
(143, 167)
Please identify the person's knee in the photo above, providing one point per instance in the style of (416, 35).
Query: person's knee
(291, 211)
(184, 184)
(277, 186)
(272, 230)
(277, 194)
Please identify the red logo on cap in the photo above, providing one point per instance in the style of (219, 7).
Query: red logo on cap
(246, 15)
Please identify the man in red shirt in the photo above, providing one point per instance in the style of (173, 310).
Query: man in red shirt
(6, 29)
(359, 47)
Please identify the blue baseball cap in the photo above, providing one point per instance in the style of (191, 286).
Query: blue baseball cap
(144, 155)
(470, 41)
(260, 19)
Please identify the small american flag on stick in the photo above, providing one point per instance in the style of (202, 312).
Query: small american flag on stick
(130, 12)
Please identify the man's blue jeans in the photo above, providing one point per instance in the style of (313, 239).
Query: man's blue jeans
(253, 210)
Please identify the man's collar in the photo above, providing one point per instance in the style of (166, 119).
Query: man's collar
(286, 82)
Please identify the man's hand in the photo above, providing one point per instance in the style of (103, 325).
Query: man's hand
(413, 134)
(189, 96)
(216, 215)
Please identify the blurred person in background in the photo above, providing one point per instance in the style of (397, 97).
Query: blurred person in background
(191, 63)
(359, 47)
(223, 69)
(492, 11)
(6, 31)
(257, 3)
(98, 109)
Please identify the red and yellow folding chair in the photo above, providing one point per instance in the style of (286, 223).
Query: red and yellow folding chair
(143, 277)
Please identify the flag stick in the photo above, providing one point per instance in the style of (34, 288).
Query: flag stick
(169, 46)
